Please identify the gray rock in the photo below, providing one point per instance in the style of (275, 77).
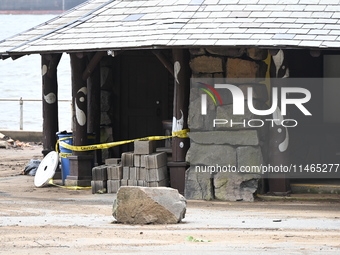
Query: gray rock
(201, 75)
(206, 64)
(228, 52)
(248, 156)
(225, 112)
(219, 75)
(235, 187)
(198, 185)
(257, 54)
(197, 121)
(143, 205)
(240, 69)
(197, 51)
(209, 155)
(239, 137)
(260, 91)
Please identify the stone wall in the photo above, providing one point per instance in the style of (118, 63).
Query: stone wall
(234, 146)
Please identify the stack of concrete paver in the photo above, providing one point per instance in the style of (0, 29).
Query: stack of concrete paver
(143, 167)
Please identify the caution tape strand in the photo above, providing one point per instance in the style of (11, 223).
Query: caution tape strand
(180, 134)
(67, 187)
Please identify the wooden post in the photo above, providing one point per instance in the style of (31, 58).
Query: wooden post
(278, 135)
(182, 74)
(79, 100)
(93, 85)
(180, 146)
(49, 64)
(81, 163)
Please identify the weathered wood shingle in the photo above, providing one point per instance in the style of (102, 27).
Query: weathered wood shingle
(121, 24)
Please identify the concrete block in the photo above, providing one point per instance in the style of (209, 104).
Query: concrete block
(134, 173)
(99, 186)
(115, 172)
(157, 174)
(142, 173)
(99, 173)
(127, 159)
(162, 183)
(123, 182)
(126, 172)
(113, 161)
(144, 147)
(136, 160)
(156, 160)
(141, 183)
(132, 182)
(113, 186)
(142, 160)
(81, 183)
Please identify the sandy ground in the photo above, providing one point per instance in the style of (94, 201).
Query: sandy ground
(53, 220)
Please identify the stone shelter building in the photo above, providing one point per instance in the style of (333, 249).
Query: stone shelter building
(132, 62)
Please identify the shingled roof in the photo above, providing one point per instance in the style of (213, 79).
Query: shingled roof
(122, 24)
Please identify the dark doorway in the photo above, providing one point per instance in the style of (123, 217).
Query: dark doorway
(144, 96)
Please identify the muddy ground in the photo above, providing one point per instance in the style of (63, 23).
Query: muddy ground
(53, 220)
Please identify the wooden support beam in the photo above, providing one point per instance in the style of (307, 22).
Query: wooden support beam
(164, 60)
(49, 64)
(182, 74)
(278, 183)
(79, 100)
(95, 59)
(81, 163)
(93, 86)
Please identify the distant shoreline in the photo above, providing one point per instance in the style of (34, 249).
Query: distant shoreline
(33, 12)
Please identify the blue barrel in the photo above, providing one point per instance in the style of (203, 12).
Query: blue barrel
(65, 162)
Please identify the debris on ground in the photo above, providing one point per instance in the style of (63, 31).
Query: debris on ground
(7, 142)
(22, 144)
(32, 167)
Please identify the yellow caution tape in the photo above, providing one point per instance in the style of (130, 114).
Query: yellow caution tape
(67, 187)
(57, 144)
(64, 155)
(181, 134)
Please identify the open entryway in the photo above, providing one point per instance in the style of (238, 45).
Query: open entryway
(146, 97)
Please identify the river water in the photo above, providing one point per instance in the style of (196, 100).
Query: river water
(22, 78)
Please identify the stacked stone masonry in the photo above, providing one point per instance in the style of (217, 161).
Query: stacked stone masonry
(144, 167)
(237, 145)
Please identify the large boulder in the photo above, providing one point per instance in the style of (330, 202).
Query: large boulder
(142, 205)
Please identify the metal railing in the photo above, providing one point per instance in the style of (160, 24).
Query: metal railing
(21, 103)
